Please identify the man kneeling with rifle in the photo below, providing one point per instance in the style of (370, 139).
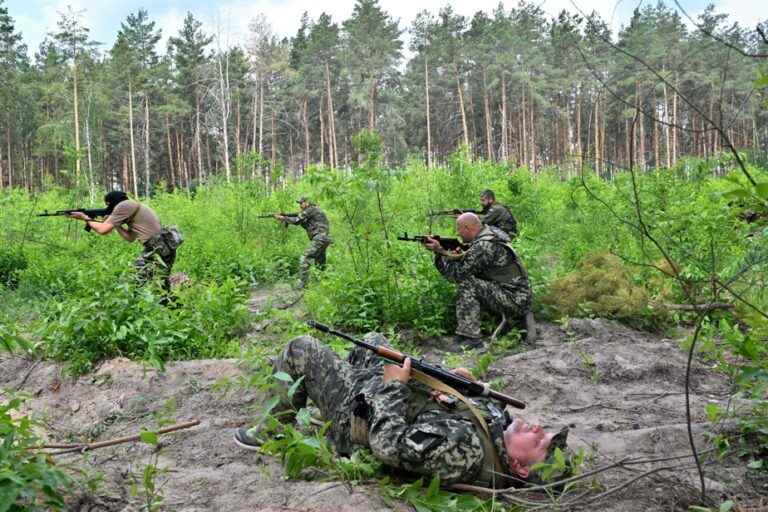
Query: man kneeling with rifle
(410, 421)
(488, 274)
(135, 221)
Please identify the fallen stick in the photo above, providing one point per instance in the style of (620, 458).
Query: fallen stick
(697, 307)
(112, 442)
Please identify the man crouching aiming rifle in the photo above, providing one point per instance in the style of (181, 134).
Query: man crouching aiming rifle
(135, 221)
(488, 274)
(407, 424)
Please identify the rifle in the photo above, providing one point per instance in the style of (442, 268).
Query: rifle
(272, 215)
(449, 244)
(90, 212)
(454, 211)
(461, 384)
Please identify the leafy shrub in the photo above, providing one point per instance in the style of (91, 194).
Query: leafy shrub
(12, 263)
(107, 321)
(601, 286)
(28, 481)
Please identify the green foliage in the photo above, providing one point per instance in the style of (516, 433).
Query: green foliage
(29, 482)
(99, 322)
(602, 287)
(434, 499)
(12, 263)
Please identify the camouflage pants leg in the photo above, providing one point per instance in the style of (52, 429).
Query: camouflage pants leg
(510, 299)
(155, 260)
(315, 254)
(327, 380)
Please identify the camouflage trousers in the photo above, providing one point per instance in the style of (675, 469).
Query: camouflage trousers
(315, 254)
(156, 259)
(330, 382)
(510, 299)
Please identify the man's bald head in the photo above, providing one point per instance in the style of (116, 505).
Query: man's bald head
(468, 225)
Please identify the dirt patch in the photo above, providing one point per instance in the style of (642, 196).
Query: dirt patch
(619, 389)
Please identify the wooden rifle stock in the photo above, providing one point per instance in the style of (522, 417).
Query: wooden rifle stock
(461, 384)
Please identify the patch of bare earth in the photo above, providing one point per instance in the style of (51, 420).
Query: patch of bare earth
(621, 391)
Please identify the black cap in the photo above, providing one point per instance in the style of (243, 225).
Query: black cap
(114, 198)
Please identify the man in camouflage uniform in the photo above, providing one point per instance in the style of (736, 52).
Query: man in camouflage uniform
(496, 214)
(314, 221)
(488, 274)
(405, 424)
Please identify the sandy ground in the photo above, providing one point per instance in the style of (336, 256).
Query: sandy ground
(621, 391)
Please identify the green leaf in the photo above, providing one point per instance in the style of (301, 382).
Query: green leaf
(726, 506)
(283, 377)
(295, 386)
(762, 190)
(755, 464)
(303, 417)
(148, 437)
(434, 487)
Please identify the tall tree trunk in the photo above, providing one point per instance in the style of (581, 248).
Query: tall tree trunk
(198, 142)
(667, 134)
(306, 131)
(578, 129)
(171, 176)
(429, 126)
(133, 143)
(372, 104)
(504, 127)
(226, 107)
(261, 117)
(77, 115)
(524, 132)
(674, 127)
(460, 92)
(237, 127)
(274, 139)
(656, 150)
(322, 132)
(91, 185)
(333, 155)
(487, 112)
(146, 145)
(125, 179)
(597, 134)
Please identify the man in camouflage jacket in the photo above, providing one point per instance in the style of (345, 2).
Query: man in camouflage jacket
(496, 214)
(405, 424)
(488, 274)
(314, 221)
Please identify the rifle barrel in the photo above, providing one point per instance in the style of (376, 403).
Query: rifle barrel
(472, 387)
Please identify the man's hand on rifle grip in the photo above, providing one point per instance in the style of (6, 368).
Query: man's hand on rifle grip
(395, 372)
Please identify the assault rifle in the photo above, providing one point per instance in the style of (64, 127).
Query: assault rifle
(91, 212)
(459, 383)
(272, 215)
(454, 211)
(449, 244)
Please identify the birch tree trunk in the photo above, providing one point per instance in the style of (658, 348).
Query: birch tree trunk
(429, 126)
(146, 144)
(504, 127)
(460, 93)
(133, 143)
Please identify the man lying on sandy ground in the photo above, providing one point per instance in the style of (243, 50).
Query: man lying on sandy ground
(405, 424)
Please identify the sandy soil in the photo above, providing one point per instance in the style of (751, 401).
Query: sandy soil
(620, 390)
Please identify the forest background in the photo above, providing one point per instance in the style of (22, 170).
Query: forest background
(512, 85)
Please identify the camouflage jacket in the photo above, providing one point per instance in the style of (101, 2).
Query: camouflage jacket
(489, 257)
(499, 216)
(409, 430)
(313, 220)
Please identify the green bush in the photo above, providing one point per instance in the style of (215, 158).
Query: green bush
(28, 481)
(109, 320)
(12, 263)
(600, 287)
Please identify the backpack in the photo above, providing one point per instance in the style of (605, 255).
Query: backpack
(172, 236)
